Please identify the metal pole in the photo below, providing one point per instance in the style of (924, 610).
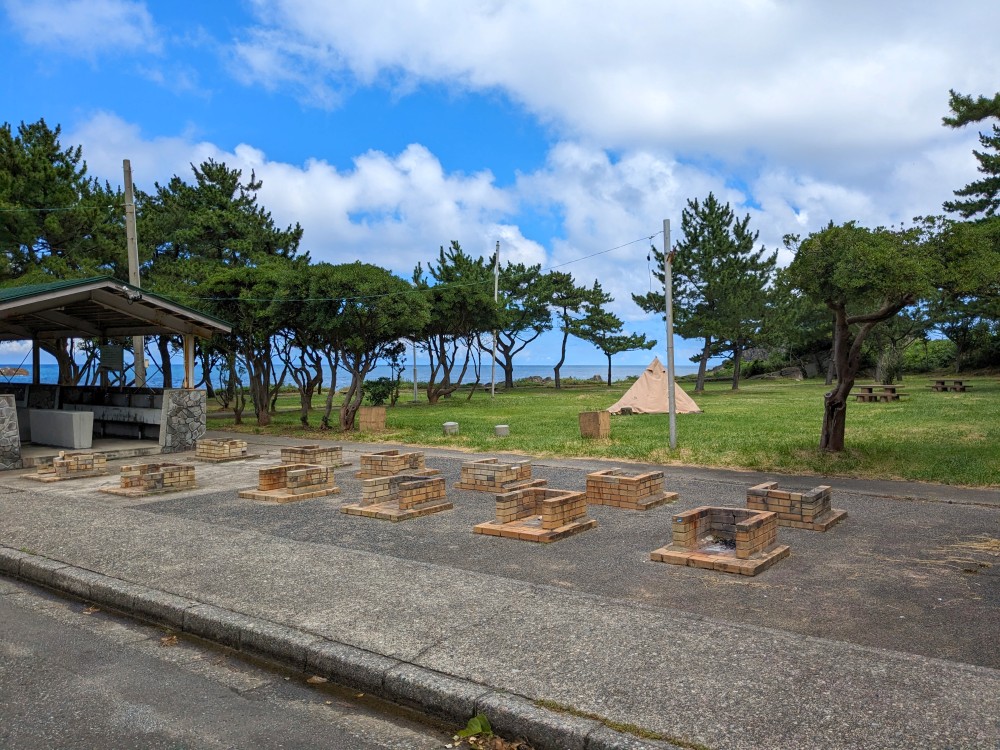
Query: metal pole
(132, 243)
(668, 295)
(496, 291)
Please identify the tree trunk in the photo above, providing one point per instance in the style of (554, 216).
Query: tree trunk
(737, 364)
(699, 386)
(609, 371)
(163, 345)
(508, 375)
(831, 371)
(333, 361)
(352, 401)
(562, 358)
(834, 418)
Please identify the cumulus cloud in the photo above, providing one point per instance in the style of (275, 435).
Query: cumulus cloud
(85, 28)
(394, 210)
(839, 85)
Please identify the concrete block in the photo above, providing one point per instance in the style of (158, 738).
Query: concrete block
(450, 428)
(63, 429)
(501, 430)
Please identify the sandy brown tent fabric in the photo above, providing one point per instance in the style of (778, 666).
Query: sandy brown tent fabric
(648, 395)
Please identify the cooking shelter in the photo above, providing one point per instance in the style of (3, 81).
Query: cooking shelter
(68, 416)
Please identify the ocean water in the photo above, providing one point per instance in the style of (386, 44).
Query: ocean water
(50, 373)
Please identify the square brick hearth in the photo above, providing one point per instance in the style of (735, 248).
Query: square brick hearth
(731, 540)
(291, 482)
(390, 463)
(400, 497)
(217, 450)
(619, 490)
(801, 510)
(71, 465)
(317, 455)
(489, 475)
(538, 514)
(139, 480)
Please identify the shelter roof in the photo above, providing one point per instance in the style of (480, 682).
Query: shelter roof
(99, 307)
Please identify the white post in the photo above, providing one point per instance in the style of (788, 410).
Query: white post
(668, 294)
(496, 291)
(132, 244)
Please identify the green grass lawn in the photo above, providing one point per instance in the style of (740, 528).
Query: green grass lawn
(952, 438)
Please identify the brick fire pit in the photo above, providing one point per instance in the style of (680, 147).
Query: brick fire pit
(330, 455)
(731, 540)
(139, 480)
(400, 497)
(801, 510)
(217, 450)
(489, 475)
(639, 492)
(71, 465)
(538, 514)
(291, 482)
(390, 463)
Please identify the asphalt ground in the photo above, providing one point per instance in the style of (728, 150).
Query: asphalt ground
(882, 632)
(75, 676)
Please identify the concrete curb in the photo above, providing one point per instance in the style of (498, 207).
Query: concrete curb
(449, 698)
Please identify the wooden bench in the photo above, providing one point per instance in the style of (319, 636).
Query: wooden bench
(954, 385)
(878, 392)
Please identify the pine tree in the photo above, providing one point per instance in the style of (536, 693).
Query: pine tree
(719, 281)
(981, 197)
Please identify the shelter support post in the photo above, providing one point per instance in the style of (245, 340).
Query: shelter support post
(188, 361)
(36, 359)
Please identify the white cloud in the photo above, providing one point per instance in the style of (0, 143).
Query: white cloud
(848, 86)
(85, 28)
(393, 210)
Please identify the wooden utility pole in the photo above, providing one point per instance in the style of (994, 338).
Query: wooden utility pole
(138, 342)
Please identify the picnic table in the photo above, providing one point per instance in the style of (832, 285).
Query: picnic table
(878, 392)
(949, 384)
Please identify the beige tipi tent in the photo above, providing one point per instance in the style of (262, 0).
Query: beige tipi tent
(648, 395)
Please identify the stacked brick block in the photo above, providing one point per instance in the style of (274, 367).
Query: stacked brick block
(731, 540)
(489, 475)
(390, 463)
(217, 450)
(538, 514)
(371, 418)
(595, 424)
(640, 492)
(800, 510)
(396, 498)
(290, 482)
(72, 465)
(145, 479)
(330, 455)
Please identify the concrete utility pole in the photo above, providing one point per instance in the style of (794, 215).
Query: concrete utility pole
(668, 295)
(496, 291)
(132, 242)
(415, 396)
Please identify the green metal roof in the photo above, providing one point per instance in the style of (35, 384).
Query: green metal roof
(99, 305)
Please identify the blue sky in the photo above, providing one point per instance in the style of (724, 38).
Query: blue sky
(560, 128)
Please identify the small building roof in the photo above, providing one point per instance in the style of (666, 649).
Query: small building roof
(100, 307)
